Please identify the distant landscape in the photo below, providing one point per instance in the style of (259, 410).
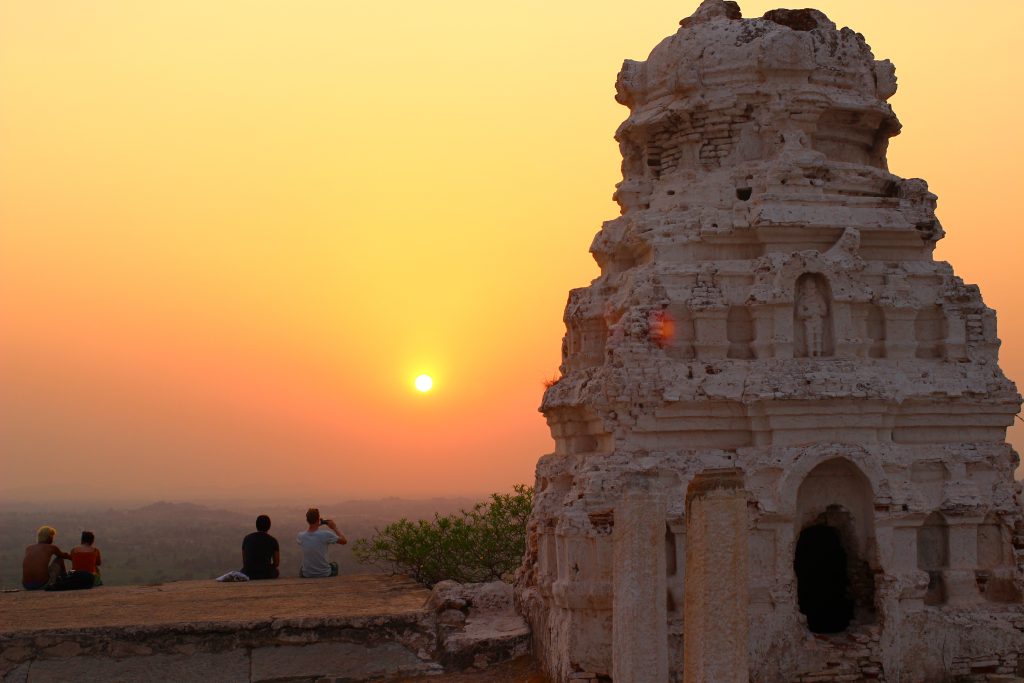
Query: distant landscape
(165, 541)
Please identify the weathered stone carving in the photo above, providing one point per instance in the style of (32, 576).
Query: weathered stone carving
(768, 306)
(812, 313)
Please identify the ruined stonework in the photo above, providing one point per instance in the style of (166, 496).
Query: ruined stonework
(780, 424)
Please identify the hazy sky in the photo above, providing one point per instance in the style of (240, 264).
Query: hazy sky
(233, 232)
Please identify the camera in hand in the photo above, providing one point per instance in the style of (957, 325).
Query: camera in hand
(323, 522)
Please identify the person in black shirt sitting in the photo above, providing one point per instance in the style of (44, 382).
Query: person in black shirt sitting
(261, 554)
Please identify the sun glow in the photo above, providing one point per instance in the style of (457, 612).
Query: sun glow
(424, 383)
(272, 271)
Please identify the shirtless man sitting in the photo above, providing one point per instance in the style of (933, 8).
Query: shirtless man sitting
(44, 562)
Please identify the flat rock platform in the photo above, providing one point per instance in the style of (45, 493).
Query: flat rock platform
(181, 602)
(349, 628)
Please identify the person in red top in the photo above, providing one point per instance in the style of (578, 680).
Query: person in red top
(86, 558)
(85, 561)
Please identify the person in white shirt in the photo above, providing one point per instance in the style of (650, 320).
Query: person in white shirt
(314, 542)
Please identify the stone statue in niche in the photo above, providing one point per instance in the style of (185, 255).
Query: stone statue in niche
(812, 317)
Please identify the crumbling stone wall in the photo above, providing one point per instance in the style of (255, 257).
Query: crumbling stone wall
(769, 304)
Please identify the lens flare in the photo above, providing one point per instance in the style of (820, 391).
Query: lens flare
(662, 327)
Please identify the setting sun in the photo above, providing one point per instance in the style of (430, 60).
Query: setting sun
(245, 245)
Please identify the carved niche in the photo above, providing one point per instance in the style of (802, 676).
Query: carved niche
(812, 318)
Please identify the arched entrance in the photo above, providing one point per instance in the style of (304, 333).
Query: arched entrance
(835, 548)
(823, 587)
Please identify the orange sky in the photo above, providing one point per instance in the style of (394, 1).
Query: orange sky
(233, 232)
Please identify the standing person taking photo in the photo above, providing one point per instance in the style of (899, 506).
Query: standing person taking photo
(314, 542)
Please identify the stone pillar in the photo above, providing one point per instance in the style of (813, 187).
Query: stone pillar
(961, 582)
(859, 338)
(782, 335)
(900, 338)
(711, 340)
(845, 340)
(956, 337)
(639, 615)
(547, 561)
(764, 328)
(716, 612)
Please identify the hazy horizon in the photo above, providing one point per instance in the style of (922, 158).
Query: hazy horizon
(163, 542)
(65, 504)
(232, 233)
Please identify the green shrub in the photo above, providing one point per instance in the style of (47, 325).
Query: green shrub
(483, 544)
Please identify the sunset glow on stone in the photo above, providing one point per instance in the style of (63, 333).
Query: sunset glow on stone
(424, 383)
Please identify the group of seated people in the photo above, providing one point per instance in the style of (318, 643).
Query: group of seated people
(44, 568)
(261, 554)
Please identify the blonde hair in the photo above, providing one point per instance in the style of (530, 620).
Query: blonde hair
(46, 534)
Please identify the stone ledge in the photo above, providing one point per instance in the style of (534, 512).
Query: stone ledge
(352, 628)
(197, 602)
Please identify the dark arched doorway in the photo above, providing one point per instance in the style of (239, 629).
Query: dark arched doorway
(834, 563)
(823, 583)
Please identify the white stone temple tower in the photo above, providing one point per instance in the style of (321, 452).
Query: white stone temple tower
(780, 424)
